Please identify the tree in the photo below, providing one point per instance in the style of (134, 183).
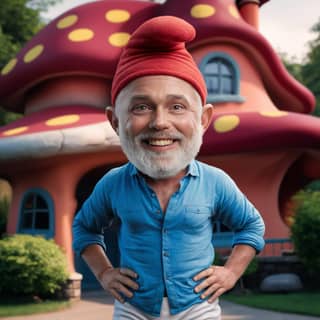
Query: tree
(292, 65)
(19, 21)
(310, 70)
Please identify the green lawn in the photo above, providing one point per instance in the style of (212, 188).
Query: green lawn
(23, 306)
(306, 303)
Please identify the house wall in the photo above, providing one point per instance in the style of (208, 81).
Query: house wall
(66, 91)
(251, 84)
(59, 176)
(259, 176)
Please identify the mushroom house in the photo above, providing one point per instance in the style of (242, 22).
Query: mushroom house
(262, 134)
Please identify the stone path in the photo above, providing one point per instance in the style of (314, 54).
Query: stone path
(99, 306)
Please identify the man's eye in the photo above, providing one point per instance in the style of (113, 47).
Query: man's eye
(140, 108)
(178, 107)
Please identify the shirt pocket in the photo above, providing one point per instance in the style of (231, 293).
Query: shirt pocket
(197, 216)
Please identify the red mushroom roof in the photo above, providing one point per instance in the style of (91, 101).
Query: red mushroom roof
(53, 119)
(88, 40)
(84, 40)
(258, 131)
(54, 131)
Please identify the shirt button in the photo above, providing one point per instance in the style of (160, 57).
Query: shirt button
(153, 194)
(158, 211)
(166, 254)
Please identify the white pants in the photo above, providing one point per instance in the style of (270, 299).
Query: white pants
(201, 311)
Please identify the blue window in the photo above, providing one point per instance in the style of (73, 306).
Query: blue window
(222, 77)
(37, 213)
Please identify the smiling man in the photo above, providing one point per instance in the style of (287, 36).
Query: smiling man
(161, 123)
(165, 200)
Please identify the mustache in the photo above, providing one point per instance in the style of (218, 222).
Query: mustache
(160, 135)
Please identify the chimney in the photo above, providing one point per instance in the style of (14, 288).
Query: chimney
(249, 10)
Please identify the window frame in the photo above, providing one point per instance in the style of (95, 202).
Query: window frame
(45, 196)
(235, 78)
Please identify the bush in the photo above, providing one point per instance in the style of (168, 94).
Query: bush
(306, 230)
(4, 209)
(31, 266)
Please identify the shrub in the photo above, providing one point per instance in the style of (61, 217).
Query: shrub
(4, 209)
(31, 265)
(306, 230)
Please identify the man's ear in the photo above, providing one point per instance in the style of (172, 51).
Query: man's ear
(111, 115)
(206, 117)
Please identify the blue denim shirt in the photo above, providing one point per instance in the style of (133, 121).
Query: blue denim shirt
(167, 250)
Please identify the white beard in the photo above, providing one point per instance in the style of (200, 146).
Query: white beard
(165, 164)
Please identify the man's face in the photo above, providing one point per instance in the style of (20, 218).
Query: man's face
(160, 122)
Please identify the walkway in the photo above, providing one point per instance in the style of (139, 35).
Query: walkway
(99, 306)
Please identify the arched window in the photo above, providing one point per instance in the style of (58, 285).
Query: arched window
(36, 214)
(222, 77)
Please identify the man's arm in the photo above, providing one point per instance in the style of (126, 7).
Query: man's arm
(118, 281)
(216, 280)
(235, 211)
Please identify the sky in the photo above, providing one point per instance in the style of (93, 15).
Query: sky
(285, 23)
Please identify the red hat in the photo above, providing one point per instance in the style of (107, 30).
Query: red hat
(157, 47)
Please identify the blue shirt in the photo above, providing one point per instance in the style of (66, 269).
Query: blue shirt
(167, 250)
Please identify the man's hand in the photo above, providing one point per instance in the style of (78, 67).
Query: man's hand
(216, 281)
(119, 282)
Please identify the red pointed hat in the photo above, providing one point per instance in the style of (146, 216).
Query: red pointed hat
(157, 47)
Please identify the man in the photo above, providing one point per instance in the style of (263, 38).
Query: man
(166, 202)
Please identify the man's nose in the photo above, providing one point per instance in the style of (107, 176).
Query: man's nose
(159, 120)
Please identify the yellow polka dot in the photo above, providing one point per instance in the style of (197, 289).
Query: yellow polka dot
(117, 16)
(33, 53)
(274, 113)
(202, 11)
(226, 123)
(9, 66)
(63, 120)
(234, 11)
(14, 131)
(119, 39)
(67, 21)
(79, 35)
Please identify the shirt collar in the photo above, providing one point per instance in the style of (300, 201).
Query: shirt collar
(193, 169)
(133, 171)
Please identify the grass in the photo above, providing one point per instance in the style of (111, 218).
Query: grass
(24, 306)
(306, 303)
